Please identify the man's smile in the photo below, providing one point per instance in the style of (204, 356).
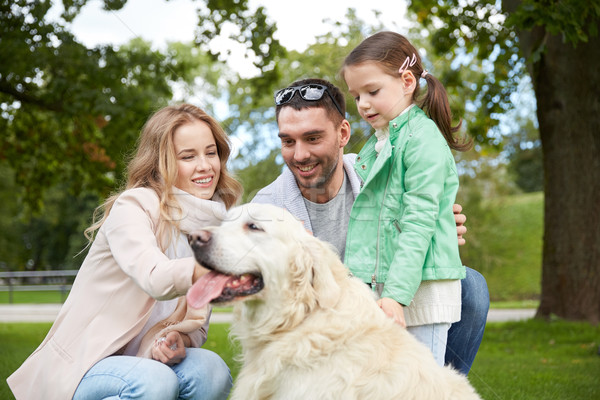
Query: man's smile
(306, 170)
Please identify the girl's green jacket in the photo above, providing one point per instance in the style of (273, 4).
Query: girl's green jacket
(402, 228)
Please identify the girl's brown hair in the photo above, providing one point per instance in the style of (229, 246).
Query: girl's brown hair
(154, 164)
(391, 50)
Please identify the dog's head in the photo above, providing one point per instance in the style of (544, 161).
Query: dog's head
(262, 252)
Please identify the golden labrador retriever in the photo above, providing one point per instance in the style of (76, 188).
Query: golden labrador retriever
(307, 329)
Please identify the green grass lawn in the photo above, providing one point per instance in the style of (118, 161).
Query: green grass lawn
(538, 360)
(33, 297)
(504, 243)
(517, 360)
(515, 304)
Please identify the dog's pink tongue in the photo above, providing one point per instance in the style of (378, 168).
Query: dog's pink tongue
(208, 287)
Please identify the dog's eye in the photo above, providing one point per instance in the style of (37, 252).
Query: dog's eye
(253, 227)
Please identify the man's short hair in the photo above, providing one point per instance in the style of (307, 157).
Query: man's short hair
(298, 103)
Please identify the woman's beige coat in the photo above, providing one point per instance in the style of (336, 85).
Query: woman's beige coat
(114, 293)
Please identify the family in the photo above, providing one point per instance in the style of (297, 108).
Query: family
(126, 331)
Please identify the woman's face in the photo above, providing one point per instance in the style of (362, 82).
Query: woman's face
(198, 163)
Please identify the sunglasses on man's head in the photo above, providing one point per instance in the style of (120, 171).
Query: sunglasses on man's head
(310, 92)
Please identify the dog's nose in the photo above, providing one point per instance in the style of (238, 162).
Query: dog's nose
(199, 238)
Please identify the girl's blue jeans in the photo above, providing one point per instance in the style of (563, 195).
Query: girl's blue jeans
(201, 375)
(433, 336)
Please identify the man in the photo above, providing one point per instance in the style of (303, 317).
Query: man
(320, 185)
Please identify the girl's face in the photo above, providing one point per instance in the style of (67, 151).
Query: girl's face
(379, 96)
(198, 163)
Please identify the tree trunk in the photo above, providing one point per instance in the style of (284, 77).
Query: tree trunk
(566, 79)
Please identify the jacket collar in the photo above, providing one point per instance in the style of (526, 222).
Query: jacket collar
(368, 153)
(397, 123)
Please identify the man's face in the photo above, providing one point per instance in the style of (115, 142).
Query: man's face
(311, 146)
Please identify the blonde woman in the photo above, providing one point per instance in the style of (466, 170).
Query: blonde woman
(125, 330)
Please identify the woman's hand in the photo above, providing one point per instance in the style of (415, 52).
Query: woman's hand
(169, 349)
(392, 309)
(199, 271)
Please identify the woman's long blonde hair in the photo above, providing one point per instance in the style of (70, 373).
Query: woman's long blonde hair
(154, 165)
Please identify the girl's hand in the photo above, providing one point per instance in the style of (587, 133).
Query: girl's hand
(392, 309)
(169, 349)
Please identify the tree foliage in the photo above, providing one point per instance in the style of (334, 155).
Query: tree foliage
(70, 115)
(463, 30)
(525, 158)
(249, 27)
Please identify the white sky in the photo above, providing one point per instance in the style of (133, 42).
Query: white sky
(159, 21)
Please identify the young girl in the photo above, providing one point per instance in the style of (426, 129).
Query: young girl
(402, 234)
(125, 329)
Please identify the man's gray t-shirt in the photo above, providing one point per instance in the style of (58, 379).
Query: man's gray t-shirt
(330, 220)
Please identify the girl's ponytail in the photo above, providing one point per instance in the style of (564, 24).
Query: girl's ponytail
(436, 105)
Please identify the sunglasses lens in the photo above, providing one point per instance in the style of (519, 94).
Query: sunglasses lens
(284, 95)
(307, 92)
(312, 92)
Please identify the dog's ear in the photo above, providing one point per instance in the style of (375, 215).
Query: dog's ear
(323, 261)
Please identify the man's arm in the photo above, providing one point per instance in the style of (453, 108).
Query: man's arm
(460, 219)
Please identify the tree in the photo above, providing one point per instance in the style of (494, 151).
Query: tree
(557, 43)
(69, 113)
(69, 116)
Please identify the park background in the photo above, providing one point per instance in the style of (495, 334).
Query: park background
(77, 83)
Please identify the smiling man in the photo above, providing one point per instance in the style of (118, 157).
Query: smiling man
(319, 185)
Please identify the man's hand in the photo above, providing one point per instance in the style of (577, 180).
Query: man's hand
(460, 219)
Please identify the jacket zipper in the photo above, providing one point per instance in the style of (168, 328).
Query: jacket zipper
(387, 184)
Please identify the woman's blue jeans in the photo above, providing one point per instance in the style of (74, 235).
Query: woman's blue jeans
(464, 336)
(201, 375)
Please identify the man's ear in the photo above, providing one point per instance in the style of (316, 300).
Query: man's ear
(409, 81)
(344, 133)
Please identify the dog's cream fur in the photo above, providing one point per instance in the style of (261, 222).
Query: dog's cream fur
(313, 332)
